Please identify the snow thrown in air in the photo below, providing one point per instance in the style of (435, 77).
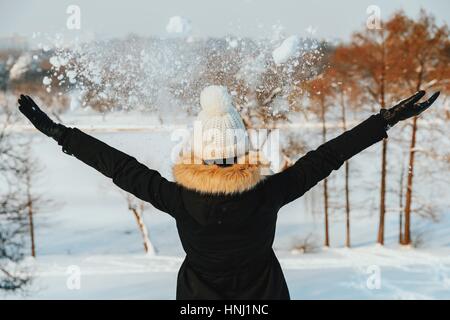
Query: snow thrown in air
(47, 81)
(168, 73)
(20, 67)
(289, 48)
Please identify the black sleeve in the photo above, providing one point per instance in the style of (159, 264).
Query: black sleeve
(318, 164)
(125, 171)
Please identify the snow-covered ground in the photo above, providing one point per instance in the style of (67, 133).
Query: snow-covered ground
(90, 227)
(330, 274)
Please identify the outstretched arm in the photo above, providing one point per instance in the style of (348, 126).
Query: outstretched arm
(125, 171)
(318, 164)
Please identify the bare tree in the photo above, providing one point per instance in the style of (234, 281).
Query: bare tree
(13, 275)
(34, 201)
(137, 207)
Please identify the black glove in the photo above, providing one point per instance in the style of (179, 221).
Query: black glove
(39, 119)
(407, 108)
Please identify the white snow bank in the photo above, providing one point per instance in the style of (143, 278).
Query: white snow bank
(289, 48)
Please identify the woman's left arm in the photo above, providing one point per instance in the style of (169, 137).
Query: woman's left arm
(318, 164)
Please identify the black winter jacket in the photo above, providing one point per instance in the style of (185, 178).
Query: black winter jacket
(227, 237)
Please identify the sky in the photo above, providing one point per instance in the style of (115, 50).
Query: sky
(327, 19)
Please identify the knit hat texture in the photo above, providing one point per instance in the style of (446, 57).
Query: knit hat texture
(219, 132)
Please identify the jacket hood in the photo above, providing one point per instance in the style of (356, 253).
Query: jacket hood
(192, 173)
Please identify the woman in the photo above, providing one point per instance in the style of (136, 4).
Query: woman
(225, 212)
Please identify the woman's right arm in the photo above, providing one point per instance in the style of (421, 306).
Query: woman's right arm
(125, 171)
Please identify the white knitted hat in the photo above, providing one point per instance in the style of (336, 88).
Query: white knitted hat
(222, 132)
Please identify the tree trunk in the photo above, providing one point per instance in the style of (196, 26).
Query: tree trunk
(31, 225)
(400, 218)
(325, 182)
(325, 200)
(148, 247)
(409, 182)
(347, 206)
(347, 186)
(380, 239)
(30, 215)
(409, 185)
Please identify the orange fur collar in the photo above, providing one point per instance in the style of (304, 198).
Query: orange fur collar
(237, 178)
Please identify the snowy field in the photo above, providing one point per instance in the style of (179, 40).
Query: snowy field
(90, 227)
(331, 274)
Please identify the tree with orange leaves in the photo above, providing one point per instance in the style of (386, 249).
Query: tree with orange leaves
(423, 51)
(346, 92)
(402, 57)
(371, 57)
(321, 95)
